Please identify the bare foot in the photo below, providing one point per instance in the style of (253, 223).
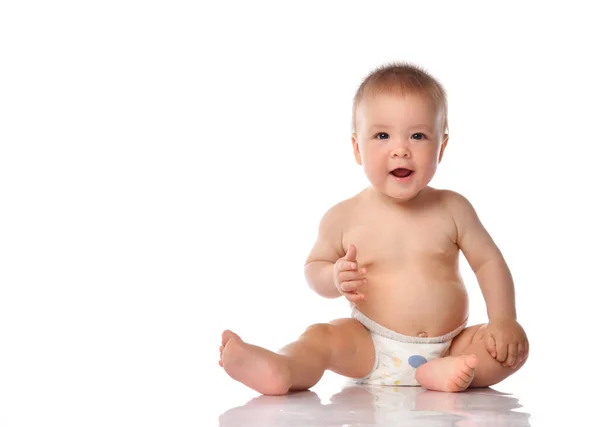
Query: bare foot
(451, 373)
(258, 368)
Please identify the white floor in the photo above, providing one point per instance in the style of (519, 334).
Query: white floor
(336, 402)
(379, 406)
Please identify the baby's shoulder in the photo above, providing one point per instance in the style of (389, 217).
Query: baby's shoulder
(452, 201)
(341, 212)
(445, 195)
(341, 209)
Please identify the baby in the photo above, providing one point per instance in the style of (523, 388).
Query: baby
(392, 251)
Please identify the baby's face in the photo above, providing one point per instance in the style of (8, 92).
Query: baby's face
(399, 142)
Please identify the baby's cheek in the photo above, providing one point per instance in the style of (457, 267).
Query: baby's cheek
(377, 165)
(374, 173)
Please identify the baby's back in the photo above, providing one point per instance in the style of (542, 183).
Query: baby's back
(410, 252)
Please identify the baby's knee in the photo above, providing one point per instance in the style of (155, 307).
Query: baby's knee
(318, 330)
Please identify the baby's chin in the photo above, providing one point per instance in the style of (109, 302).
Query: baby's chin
(399, 189)
(404, 198)
(400, 195)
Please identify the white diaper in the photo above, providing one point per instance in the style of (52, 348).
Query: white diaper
(398, 356)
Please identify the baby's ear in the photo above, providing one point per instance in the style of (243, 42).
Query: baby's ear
(356, 149)
(443, 147)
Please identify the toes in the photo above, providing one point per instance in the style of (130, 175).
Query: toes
(464, 375)
(467, 372)
(463, 379)
(459, 383)
(227, 335)
(471, 361)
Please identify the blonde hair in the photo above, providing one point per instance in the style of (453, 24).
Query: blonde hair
(403, 78)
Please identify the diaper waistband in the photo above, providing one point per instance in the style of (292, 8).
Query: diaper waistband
(378, 329)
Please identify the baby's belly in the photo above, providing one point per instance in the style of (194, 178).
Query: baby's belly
(416, 307)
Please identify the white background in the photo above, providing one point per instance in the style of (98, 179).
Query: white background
(164, 166)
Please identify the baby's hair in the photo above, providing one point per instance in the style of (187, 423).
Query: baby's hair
(403, 78)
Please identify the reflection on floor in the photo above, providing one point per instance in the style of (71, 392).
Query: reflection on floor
(358, 405)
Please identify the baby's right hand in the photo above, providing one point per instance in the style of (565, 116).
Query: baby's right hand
(347, 278)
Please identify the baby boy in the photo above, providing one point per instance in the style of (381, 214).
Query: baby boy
(392, 251)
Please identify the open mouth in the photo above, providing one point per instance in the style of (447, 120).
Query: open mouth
(401, 172)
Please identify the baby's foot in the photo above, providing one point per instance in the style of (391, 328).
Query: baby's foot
(451, 373)
(256, 367)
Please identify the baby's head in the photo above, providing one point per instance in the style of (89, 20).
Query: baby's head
(399, 121)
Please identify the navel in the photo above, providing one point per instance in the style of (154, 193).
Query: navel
(422, 335)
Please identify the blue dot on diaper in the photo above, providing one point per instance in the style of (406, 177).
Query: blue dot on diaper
(416, 361)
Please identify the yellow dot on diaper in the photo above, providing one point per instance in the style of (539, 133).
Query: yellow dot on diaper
(397, 382)
(397, 362)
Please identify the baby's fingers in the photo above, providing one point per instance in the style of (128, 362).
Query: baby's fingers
(490, 345)
(353, 297)
(346, 265)
(501, 351)
(511, 358)
(520, 353)
(525, 346)
(351, 285)
(345, 276)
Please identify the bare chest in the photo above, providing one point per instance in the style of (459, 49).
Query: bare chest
(397, 239)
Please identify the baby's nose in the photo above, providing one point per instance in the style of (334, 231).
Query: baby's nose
(400, 150)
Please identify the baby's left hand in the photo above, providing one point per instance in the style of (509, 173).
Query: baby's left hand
(507, 342)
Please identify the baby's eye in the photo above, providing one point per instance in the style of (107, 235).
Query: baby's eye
(418, 136)
(382, 135)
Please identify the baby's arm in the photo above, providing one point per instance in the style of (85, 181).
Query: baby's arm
(327, 249)
(506, 339)
(484, 257)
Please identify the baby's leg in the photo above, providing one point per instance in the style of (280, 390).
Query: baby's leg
(343, 346)
(468, 365)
